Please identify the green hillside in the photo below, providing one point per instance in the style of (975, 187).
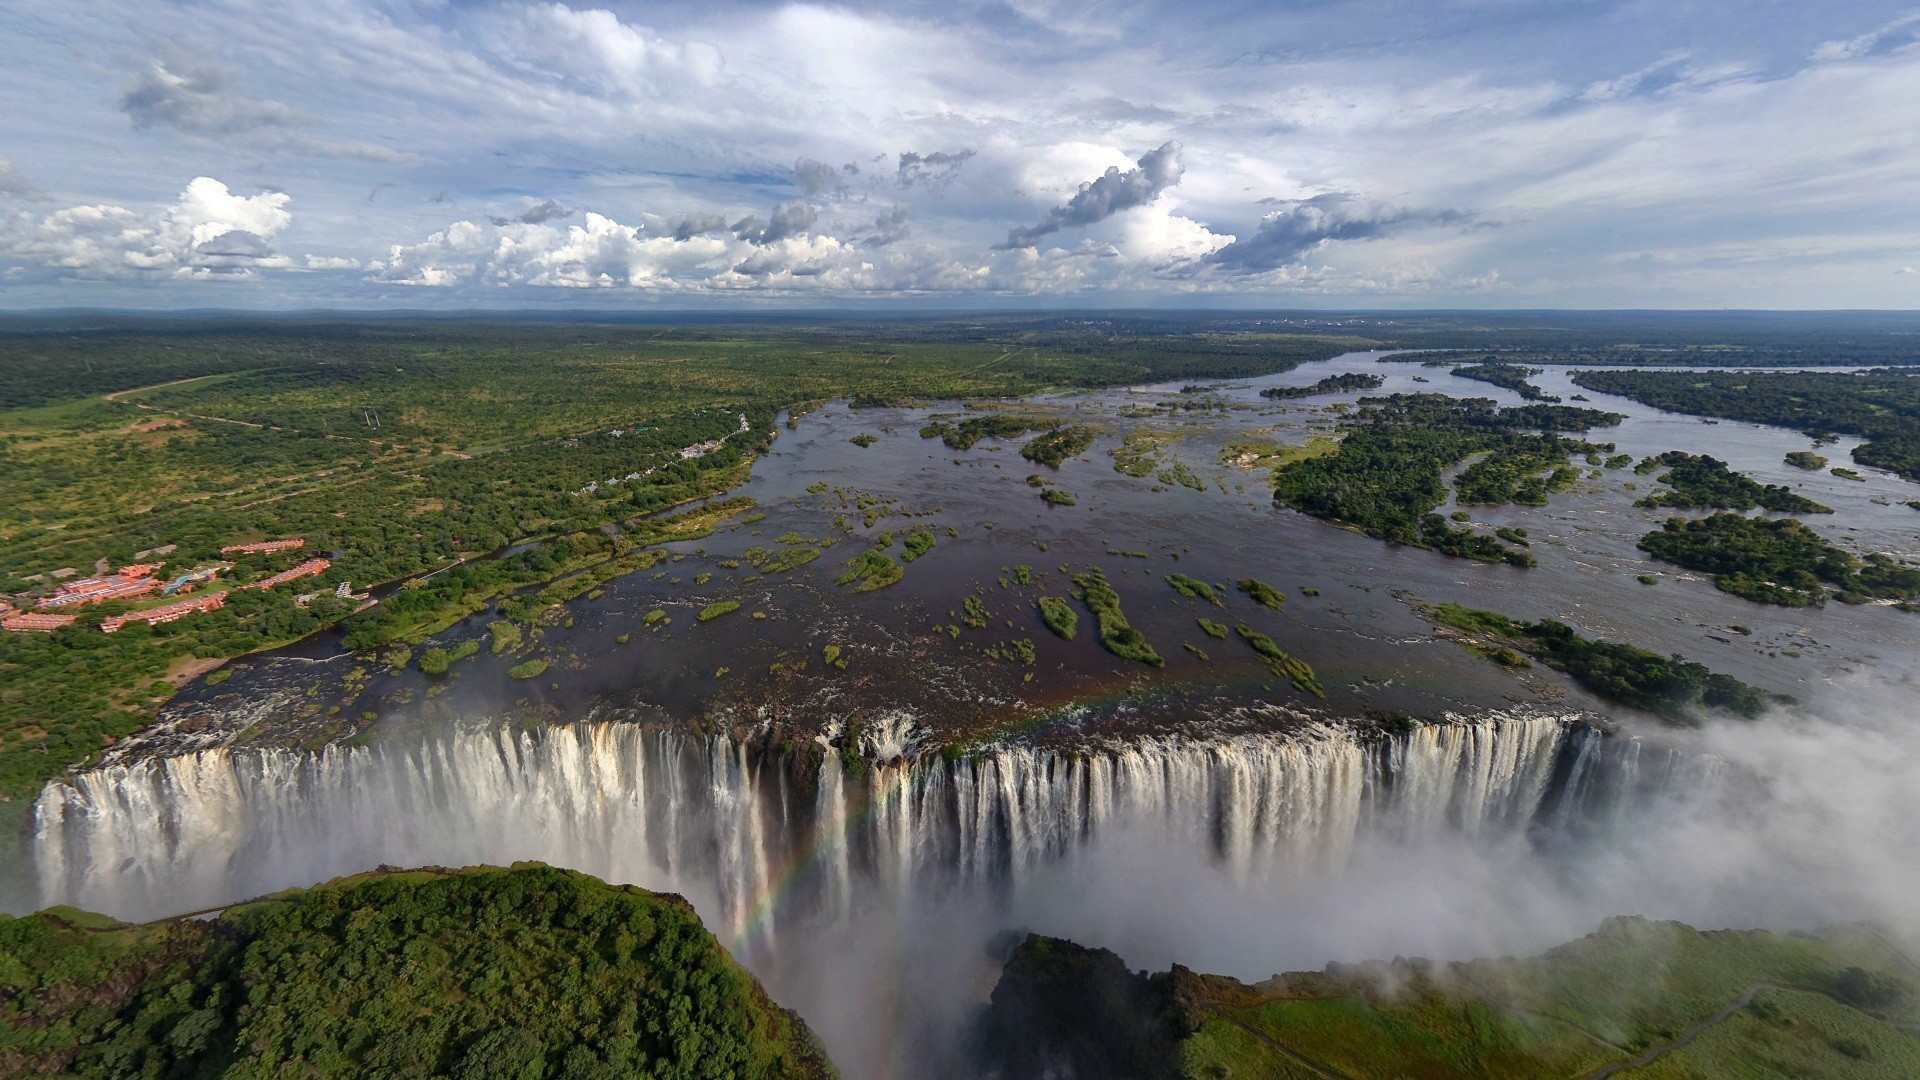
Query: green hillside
(527, 973)
(1638, 999)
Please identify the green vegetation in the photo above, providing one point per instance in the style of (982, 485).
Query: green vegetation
(1385, 478)
(1881, 407)
(1702, 482)
(1059, 616)
(917, 543)
(503, 636)
(654, 616)
(1847, 474)
(716, 609)
(1262, 593)
(1054, 496)
(1669, 686)
(1119, 636)
(1779, 562)
(870, 570)
(863, 440)
(1836, 1004)
(966, 433)
(1281, 663)
(1018, 651)
(833, 656)
(483, 973)
(1213, 629)
(1342, 383)
(528, 669)
(1194, 587)
(1059, 444)
(1806, 459)
(1508, 376)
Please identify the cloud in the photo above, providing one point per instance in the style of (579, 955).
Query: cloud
(12, 183)
(1112, 192)
(1881, 39)
(933, 171)
(1302, 225)
(208, 231)
(693, 225)
(1907, 270)
(198, 101)
(890, 226)
(594, 51)
(789, 219)
(187, 97)
(815, 177)
(535, 215)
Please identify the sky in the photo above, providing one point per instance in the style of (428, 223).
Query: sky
(951, 153)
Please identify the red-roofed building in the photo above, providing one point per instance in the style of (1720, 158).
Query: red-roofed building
(165, 613)
(311, 566)
(41, 623)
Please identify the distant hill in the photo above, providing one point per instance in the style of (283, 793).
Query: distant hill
(1638, 999)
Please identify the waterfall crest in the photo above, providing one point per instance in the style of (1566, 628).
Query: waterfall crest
(734, 829)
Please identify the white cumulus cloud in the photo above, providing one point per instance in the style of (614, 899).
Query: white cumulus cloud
(207, 231)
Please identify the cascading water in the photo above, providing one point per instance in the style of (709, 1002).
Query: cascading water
(739, 834)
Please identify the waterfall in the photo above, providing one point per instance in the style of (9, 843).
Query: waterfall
(734, 829)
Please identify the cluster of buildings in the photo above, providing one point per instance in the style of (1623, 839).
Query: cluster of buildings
(138, 579)
(125, 584)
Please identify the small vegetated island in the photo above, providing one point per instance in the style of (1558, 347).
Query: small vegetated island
(1833, 1004)
(1671, 686)
(531, 971)
(1059, 444)
(1702, 482)
(1780, 561)
(1116, 633)
(1880, 407)
(1345, 382)
(1385, 477)
(1507, 376)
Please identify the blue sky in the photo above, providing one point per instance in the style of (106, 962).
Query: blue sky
(1339, 153)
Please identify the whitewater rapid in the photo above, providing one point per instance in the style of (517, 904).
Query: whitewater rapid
(736, 828)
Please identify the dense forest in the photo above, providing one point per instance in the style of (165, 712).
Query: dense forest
(1779, 562)
(1700, 482)
(401, 447)
(1671, 686)
(482, 973)
(1882, 408)
(1507, 376)
(1385, 477)
(1342, 383)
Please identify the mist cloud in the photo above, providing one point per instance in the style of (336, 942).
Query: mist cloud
(1112, 192)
